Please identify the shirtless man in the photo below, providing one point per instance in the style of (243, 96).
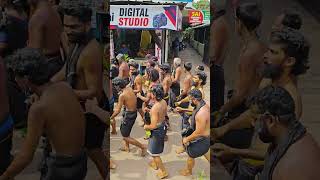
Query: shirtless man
(127, 99)
(293, 153)
(176, 75)
(286, 59)
(197, 138)
(136, 84)
(6, 122)
(83, 72)
(248, 18)
(123, 69)
(158, 130)
(219, 42)
(166, 82)
(45, 32)
(64, 129)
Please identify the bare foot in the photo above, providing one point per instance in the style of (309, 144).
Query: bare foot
(112, 165)
(153, 165)
(185, 172)
(124, 149)
(180, 150)
(143, 151)
(162, 174)
(114, 132)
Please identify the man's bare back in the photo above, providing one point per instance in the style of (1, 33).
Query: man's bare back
(301, 162)
(45, 29)
(129, 99)
(124, 70)
(166, 84)
(204, 115)
(64, 122)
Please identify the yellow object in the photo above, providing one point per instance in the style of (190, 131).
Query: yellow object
(254, 162)
(145, 39)
(148, 133)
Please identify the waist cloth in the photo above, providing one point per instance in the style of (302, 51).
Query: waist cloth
(198, 147)
(64, 167)
(127, 123)
(156, 140)
(139, 101)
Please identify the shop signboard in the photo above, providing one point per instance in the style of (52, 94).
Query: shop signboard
(145, 17)
(195, 17)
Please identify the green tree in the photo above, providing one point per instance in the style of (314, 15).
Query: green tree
(202, 5)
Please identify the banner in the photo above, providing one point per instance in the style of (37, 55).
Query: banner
(195, 17)
(144, 17)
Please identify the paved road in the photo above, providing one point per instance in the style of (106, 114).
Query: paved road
(132, 166)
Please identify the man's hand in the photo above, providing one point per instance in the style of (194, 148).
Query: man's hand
(221, 150)
(179, 109)
(146, 109)
(184, 141)
(217, 133)
(91, 105)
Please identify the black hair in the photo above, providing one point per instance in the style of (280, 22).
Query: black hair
(275, 100)
(203, 76)
(133, 64)
(119, 82)
(196, 93)
(154, 75)
(157, 90)
(115, 61)
(114, 72)
(165, 67)
(188, 66)
(30, 62)
(151, 62)
(295, 45)
(77, 8)
(200, 68)
(19, 5)
(250, 15)
(292, 19)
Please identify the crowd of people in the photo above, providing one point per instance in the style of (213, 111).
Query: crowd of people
(258, 132)
(51, 69)
(153, 92)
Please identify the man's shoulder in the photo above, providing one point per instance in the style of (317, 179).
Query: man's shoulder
(303, 155)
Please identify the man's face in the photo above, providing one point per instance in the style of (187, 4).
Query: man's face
(273, 61)
(196, 80)
(75, 29)
(132, 70)
(263, 126)
(277, 24)
(123, 46)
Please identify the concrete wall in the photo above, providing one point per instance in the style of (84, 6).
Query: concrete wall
(199, 47)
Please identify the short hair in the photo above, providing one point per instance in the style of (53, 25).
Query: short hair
(292, 19)
(154, 75)
(295, 45)
(188, 66)
(77, 8)
(275, 100)
(196, 93)
(203, 76)
(177, 61)
(165, 67)
(250, 15)
(30, 62)
(151, 62)
(200, 68)
(158, 92)
(133, 64)
(119, 82)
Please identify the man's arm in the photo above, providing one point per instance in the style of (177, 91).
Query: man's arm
(144, 99)
(60, 76)
(246, 73)
(92, 68)
(121, 71)
(138, 85)
(218, 43)
(177, 75)
(25, 156)
(36, 32)
(201, 119)
(117, 110)
(154, 119)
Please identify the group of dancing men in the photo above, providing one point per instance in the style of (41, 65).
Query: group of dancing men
(153, 92)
